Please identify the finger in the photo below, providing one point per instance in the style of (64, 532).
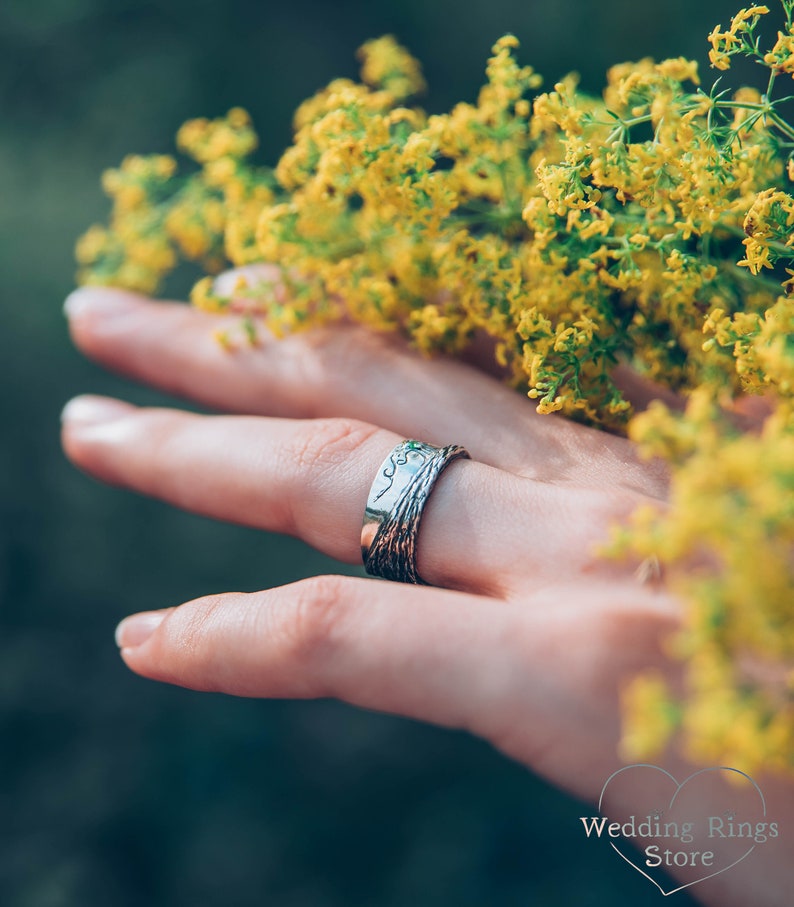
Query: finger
(453, 659)
(343, 371)
(380, 645)
(175, 347)
(306, 478)
(482, 530)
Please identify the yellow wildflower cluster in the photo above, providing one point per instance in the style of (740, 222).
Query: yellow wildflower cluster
(737, 39)
(727, 545)
(133, 251)
(767, 224)
(651, 225)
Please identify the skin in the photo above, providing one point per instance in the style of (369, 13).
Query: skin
(526, 636)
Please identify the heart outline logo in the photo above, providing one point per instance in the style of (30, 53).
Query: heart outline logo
(679, 787)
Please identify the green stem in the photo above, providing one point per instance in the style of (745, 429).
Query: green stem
(781, 124)
(742, 105)
(635, 121)
(770, 85)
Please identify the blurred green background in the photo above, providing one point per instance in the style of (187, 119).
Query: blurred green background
(117, 791)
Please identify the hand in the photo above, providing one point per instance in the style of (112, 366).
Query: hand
(525, 637)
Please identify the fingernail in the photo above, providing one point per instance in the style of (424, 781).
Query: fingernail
(134, 631)
(91, 410)
(100, 301)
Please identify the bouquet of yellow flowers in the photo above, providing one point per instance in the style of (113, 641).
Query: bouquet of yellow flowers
(651, 226)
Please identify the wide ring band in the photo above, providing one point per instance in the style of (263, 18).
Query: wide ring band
(396, 500)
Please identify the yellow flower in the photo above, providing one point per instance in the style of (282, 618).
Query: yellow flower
(725, 43)
(781, 57)
(387, 65)
(680, 69)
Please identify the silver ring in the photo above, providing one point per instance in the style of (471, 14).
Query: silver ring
(394, 508)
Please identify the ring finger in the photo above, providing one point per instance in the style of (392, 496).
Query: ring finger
(484, 530)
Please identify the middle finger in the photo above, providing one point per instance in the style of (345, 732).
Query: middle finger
(349, 372)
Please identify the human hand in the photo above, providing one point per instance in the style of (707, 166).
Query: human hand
(525, 637)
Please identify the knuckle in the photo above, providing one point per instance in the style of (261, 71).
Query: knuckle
(636, 630)
(623, 642)
(326, 443)
(316, 615)
(190, 627)
(604, 505)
